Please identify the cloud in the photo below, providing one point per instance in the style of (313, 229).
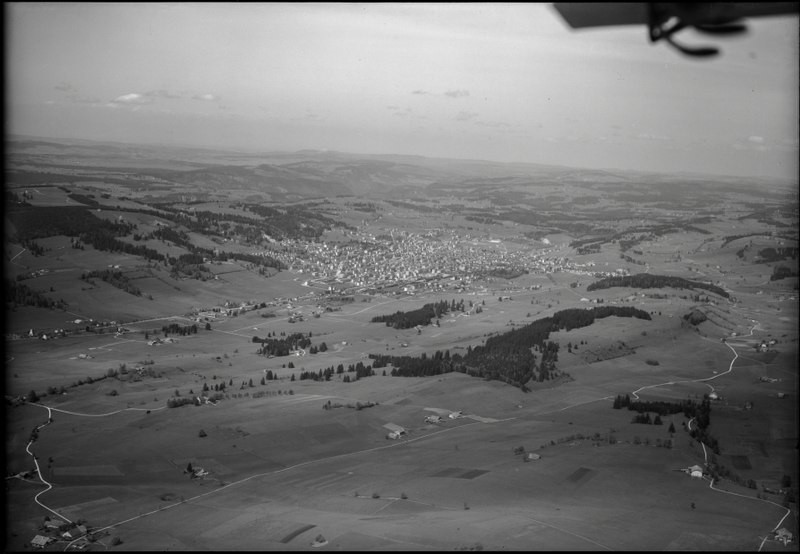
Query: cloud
(452, 93)
(466, 116)
(161, 93)
(132, 98)
(752, 142)
(206, 97)
(492, 124)
(651, 136)
(309, 116)
(76, 98)
(64, 86)
(456, 93)
(398, 111)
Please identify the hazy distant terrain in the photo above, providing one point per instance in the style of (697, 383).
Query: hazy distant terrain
(269, 318)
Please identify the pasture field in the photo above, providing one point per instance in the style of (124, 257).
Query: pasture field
(278, 465)
(282, 470)
(285, 460)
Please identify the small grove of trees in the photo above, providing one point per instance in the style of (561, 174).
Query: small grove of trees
(283, 346)
(646, 419)
(115, 278)
(421, 316)
(176, 329)
(18, 294)
(178, 401)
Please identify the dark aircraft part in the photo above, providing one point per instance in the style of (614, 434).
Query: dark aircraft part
(667, 19)
(664, 20)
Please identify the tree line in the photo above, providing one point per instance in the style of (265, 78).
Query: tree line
(326, 374)
(650, 281)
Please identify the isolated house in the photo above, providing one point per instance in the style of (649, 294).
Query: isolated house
(783, 535)
(433, 419)
(455, 415)
(534, 456)
(696, 471)
(395, 431)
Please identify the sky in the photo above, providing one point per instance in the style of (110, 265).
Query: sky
(492, 81)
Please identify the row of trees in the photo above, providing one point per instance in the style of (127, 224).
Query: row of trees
(660, 407)
(326, 374)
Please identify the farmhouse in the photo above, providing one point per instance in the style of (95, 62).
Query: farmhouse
(695, 471)
(433, 419)
(53, 523)
(534, 456)
(783, 535)
(455, 415)
(40, 541)
(395, 431)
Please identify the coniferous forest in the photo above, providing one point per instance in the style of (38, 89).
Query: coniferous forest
(515, 357)
(649, 281)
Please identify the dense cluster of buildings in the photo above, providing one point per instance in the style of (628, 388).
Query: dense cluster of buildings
(435, 260)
